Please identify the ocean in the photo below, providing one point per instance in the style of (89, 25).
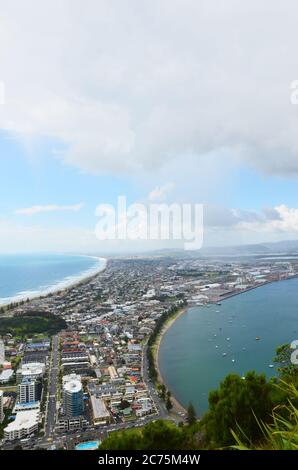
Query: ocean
(23, 276)
(207, 343)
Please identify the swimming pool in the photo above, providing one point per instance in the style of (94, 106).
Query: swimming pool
(90, 445)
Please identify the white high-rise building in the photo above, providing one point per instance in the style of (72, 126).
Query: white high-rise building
(2, 352)
(73, 403)
(27, 391)
(1, 407)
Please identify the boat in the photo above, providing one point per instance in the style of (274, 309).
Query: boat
(217, 311)
(218, 303)
(224, 354)
(228, 339)
(216, 347)
(271, 366)
(258, 338)
(233, 360)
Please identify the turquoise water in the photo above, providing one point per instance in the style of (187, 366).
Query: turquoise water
(23, 276)
(91, 445)
(189, 360)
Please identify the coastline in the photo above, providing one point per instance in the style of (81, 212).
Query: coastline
(177, 406)
(61, 286)
(257, 286)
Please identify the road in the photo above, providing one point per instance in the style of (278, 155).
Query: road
(51, 409)
(160, 406)
(69, 439)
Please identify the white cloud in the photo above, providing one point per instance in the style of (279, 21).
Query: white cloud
(33, 210)
(131, 85)
(160, 192)
(284, 220)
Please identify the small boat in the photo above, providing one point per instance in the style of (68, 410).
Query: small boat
(218, 303)
(216, 347)
(271, 366)
(217, 311)
(228, 339)
(224, 354)
(215, 335)
(233, 360)
(258, 338)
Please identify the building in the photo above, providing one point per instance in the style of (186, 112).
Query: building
(72, 423)
(99, 411)
(1, 407)
(31, 370)
(73, 402)
(6, 375)
(2, 352)
(34, 405)
(28, 391)
(25, 424)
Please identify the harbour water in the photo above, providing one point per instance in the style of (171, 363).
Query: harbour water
(27, 276)
(207, 343)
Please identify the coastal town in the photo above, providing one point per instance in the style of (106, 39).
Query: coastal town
(69, 386)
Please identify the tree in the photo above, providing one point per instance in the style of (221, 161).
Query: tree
(191, 414)
(163, 391)
(159, 435)
(287, 370)
(235, 405)
(169, 404)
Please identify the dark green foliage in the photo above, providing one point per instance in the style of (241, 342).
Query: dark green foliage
(191, 415)
(30, 324)
(236, 403)
(160, 435)
(287, 371)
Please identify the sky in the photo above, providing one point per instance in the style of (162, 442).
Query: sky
(164, 101)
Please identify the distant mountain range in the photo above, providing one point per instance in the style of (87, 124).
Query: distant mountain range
(287, 247)
(282, 247)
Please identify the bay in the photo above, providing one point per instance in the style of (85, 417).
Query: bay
(207, 343)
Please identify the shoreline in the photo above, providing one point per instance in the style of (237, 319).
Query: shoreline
(248, 289)
(61, 286)
(177, 406)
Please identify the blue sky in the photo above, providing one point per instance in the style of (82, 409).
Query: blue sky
(157, 104)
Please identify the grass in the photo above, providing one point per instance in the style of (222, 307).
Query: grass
(31, 324)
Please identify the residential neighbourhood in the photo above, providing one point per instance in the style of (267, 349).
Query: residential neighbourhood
(91, 377)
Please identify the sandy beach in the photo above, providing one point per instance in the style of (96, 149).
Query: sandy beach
(61, 286)
(177, 406)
